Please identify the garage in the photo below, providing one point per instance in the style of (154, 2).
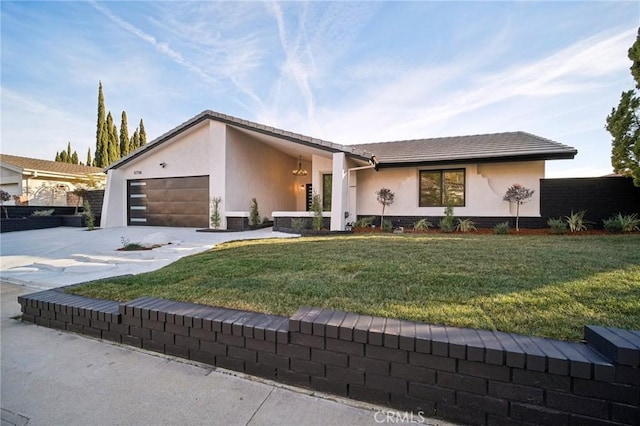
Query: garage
(178, 201)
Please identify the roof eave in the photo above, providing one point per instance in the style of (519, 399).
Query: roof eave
(246, 125)
(560, 155)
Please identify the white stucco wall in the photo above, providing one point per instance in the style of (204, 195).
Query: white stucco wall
(485, 186)
(256, 170)
(11, 182)
(192, 153)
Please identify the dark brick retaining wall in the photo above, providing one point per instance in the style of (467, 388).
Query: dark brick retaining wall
(238, 223)
(29, 223)
(284, 223)
(462, 375)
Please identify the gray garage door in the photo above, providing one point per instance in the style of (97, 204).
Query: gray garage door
(182, 201)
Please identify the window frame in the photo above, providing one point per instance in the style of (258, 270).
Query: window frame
(442, 186)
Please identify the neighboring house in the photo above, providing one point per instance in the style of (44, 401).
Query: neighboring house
(45, 183)
(170, 181)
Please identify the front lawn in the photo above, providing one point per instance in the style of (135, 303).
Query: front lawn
(542, 285)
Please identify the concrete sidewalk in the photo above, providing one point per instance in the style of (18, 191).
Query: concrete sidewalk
(51, 377)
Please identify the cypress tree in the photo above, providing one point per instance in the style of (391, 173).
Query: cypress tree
(116, 143)
(113, 145)
(57, 157)
(89, 160)
(143, 134)
(74, 158)
(100, 160)
(124, 136)
(63, 157)
(135, 141)
(104, 146)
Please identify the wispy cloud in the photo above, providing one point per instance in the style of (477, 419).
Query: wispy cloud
(412, 105)
(160, 46)
(62, 126)
(299, 62)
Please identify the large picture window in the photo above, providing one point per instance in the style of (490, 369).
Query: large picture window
(439, 188)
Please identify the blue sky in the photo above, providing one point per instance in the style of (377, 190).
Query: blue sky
(343, 71)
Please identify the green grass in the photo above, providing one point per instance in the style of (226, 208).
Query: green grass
(542, 285)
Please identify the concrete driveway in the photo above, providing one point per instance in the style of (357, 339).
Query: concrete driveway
(56, 257)
(51, 377)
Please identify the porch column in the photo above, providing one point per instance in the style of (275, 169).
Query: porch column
(339, 192)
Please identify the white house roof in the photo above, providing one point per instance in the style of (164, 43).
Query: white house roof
(510, 146)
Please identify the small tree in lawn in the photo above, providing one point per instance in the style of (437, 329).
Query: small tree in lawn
(4, 196)
(518, 194)
(385, 197)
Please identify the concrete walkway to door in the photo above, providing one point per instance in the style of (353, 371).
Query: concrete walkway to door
(56, 257)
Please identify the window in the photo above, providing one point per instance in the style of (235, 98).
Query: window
(326, 192)
(439, 187)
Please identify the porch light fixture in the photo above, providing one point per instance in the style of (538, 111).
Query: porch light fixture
(300, 171)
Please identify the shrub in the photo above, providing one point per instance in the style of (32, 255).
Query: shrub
(557, 226)
(576, 221)
(622, 223)
(447, 223)
(422, 225)
(501, 228)
(43, 212)
(215, 212)
(316, 208)
(387, 226)
(299, 223)
(364, 222)
(4, 196)
(630, 222)
(466, 225)
(88, 215)
(254, 214)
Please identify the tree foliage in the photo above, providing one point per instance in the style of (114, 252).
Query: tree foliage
(385, 197)
(99, 161)
(124, 135)
(143, 134)
(66, 156)
(4, 196)
(518, 194)
(624, 124)
(111, 143)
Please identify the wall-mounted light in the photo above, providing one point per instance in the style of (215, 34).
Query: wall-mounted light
(163, 165)
(302, 186)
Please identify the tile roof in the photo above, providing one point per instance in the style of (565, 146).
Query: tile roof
(353, 150)
(490, 147)
(510, 146)
(48, 166)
